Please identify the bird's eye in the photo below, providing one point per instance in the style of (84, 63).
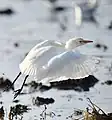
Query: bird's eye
(81, 41)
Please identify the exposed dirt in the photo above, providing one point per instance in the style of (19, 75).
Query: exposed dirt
(70, 84)
(4, 83)
(41, 101)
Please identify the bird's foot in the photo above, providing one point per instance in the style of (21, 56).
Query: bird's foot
(17, 92)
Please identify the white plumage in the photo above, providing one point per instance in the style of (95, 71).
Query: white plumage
(52, 59)
(68, 64)
(39, 56)
(35, 60)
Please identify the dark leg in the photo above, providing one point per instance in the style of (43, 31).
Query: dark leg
(17, 92)
(8, 87)
(16, 78)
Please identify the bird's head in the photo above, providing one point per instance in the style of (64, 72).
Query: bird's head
(76, 42)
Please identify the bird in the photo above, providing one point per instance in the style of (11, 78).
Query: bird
(53, 59)
(85, 11)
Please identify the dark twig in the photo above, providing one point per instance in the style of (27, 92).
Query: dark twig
(96, 107)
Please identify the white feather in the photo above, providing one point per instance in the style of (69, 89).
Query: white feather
(51, 59)
(37, 59)
(69, 64)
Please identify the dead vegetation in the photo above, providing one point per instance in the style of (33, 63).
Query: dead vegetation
(93, 112)
(2, 113)
(96, 113)
(45, 114)
(17, 111)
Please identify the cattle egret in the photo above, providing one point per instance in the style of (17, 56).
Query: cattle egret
(52, 59)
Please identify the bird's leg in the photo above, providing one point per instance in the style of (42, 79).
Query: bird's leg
(8, 87)
(17, 92)
(16, 78)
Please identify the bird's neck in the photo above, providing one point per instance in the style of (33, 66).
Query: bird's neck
(74, 49)
(70, 47)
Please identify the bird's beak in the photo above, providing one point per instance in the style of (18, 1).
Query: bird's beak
(87, 41)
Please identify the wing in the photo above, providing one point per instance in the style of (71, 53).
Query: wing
(47, 43)
(70, 64)
(36, 59)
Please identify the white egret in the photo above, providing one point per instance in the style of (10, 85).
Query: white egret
(52, 59)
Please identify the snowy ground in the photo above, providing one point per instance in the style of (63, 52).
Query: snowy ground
(31, 23)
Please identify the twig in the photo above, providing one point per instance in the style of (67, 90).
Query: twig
(97, 107)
